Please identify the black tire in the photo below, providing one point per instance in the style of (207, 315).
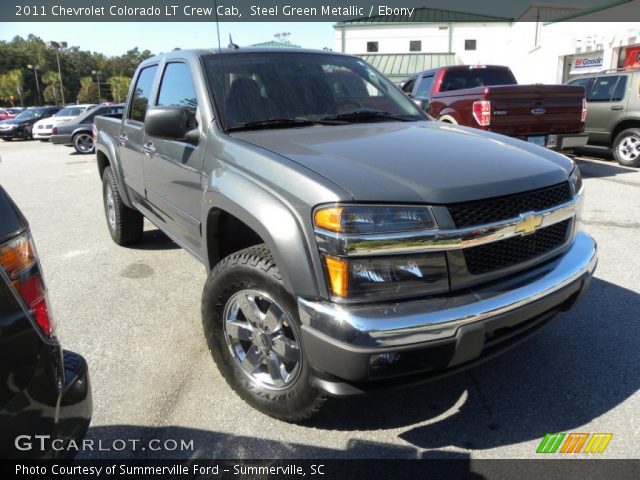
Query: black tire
(43, 139)
(626, 147)
(253, 269)
(126, 225)
(7, 139)
(83, 143)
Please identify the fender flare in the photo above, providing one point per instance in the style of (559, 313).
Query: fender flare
(105, 145)
(257, 208)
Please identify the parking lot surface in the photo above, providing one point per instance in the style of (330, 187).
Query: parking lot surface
(134, 313)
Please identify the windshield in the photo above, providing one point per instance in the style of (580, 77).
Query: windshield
(32, 113)
(285, 89)
(70, 112)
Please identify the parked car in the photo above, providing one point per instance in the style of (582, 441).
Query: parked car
(352, 244)
(44, 390)
(42, 128)
(613, 112)
(21, 126)
(5, 114)
(78, 132)
(488, 97)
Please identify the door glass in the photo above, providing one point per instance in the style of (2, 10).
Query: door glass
(618, 92)
(603, 89)
(176, 89)
(408, 87)
(142, 93)
(424, 89)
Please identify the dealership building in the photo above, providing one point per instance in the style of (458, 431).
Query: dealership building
(545, 44)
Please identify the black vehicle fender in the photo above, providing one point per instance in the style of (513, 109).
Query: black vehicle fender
(272, 220)
(107, 157)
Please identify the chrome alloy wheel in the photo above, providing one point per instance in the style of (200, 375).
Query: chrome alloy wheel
(83, 143)
(261, 339)
(629, 148)
(110, 207)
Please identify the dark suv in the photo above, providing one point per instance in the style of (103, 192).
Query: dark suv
(45, 396)
(613, 112)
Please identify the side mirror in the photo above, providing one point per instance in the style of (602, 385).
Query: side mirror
(171, 123)
(423, 103)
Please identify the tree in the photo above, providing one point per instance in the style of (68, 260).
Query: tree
(52, 90)
(11, 85)
(119, 88)
(88, 92)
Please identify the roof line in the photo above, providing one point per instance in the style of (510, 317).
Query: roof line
(480, 15)
(587, 11)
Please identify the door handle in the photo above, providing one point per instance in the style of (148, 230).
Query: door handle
(148, 149)
(123, 137)
(617, 107)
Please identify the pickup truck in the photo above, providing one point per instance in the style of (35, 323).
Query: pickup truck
(351, 242)
(488, 97)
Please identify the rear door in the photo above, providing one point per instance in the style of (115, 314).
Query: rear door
(173, 168)
(131, 137)
(605, 106)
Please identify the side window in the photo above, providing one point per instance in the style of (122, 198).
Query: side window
(603, 89)
(618, 92)
(141, 94)
(424, 89)
(408, 87)
(176, 89)
(372, 47)
(116, 110)
(582, 82)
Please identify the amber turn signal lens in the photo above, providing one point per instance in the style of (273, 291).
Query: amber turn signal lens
(16, 255)
(338, 270)
(329, 218)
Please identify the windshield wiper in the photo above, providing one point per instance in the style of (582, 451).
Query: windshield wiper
(282, 123)
(370, 115)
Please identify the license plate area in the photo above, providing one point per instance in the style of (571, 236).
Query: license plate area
(538, 140)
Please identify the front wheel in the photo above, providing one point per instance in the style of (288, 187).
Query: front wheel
(626, 147)
(7, 139)
(83, 143)
(252, 328)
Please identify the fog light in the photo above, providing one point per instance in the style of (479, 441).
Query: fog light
(383, 359)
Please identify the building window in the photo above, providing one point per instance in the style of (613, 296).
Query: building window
(415, 46)
(469, 44)
(372, 46)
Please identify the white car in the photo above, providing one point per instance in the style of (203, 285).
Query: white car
(42, 128)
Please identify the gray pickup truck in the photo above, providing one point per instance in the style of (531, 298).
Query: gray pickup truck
(352, 243)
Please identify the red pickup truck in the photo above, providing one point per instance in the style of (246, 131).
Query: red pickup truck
(488, 97)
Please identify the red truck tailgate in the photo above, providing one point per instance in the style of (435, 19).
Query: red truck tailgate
(522, 110)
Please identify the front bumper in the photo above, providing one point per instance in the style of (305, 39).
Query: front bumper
(41, 133)
(14, 132)
(356, 348)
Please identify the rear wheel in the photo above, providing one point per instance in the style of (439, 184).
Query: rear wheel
(125, 224)
(252, 328)
(7, 139)
(83, 143)
(626, 147)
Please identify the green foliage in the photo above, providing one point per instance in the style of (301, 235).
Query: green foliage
(12, 87)
(88, 92)
(75, 65)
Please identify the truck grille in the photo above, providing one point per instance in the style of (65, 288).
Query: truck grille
(502, 254)
(492, 210)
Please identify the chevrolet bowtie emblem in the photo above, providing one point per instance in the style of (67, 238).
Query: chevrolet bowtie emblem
(528, 224)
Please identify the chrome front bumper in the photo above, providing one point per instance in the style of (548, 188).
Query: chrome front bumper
(341, 340)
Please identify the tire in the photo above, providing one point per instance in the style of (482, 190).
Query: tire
(125, 224)
(261, 339)
(7, 139)
(83, 143)
(626, 147)
(43, 139)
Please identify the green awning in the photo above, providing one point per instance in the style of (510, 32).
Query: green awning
(399, 66)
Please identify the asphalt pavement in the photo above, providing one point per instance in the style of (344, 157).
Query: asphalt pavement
(134, 313)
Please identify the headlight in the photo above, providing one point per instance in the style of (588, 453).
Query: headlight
(383, 277)
(373, 219)
(575, 179)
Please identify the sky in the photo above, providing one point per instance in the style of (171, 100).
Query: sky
(117, 38)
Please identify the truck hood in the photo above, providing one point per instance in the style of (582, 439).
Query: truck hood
(418, 162)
